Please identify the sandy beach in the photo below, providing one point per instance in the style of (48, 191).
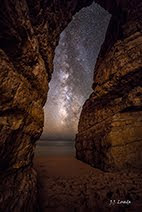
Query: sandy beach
(67, 184)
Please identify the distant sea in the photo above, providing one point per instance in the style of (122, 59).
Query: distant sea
(54, 148)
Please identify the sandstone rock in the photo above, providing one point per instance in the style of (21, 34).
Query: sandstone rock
(110, 123)
(29, 33)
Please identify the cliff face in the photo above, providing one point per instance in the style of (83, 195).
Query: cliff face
(29, 33)
(110, 136)
(23, 86)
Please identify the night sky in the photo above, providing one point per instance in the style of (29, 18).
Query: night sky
(74, 63)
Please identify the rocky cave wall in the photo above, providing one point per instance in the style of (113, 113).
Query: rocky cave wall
(29, 33)
(110, 126)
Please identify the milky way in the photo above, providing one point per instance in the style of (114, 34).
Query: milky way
(74, 63)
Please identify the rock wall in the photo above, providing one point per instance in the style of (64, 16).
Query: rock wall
(109, 133)
(23, 86)
(29, 33)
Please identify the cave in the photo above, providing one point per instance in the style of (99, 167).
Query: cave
(109, 131)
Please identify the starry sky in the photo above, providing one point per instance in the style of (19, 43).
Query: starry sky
(74, 63)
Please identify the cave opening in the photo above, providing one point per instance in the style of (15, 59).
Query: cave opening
(74, 62)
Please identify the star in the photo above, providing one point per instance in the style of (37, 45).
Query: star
(74, 63)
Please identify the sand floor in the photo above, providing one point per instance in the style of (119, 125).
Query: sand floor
(67, 184)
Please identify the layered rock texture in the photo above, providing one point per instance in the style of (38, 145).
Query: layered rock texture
(110, 126)
(29, 33)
